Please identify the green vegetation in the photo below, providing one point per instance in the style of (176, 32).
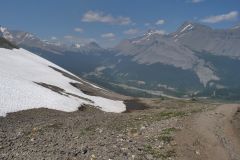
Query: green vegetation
(166, 135)
(157, 153)
(165, 138)
(171, 114)
(168, 131)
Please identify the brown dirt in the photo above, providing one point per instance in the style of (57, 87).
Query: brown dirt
(210, 135)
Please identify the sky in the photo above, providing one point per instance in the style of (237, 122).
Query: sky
(109, 21)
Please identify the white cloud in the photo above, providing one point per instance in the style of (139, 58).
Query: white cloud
(53, 38)
(219, 18)
(108, 35)
(162, 32)
(160, 22)
(131, 31)
(68, 37)
(92, 16)
(78, 29)
(196, 1)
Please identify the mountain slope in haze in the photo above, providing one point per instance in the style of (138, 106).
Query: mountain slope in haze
(25, 39)
(32, 42)
(29, 81)
(156, 48)
(6, 44)
(201, 38)
(189, 61)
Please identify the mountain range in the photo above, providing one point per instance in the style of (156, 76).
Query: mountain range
(195, 60)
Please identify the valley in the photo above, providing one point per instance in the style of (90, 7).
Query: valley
(169, 63)
(68, 117)
(120, 80)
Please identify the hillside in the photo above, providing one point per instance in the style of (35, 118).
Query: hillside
(29, 81)
(167, 129)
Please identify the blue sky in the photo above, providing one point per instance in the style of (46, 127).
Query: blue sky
(109, 21)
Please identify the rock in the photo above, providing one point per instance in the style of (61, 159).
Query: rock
(100, 130)
(149, 157)
(142, 128)
(84, 150)
(124, 149)
(238, 110)
(93, 157)
(197, 152)
(133, 156)
(133, 132)
(161, 145)
(76, 153)
(173, 143)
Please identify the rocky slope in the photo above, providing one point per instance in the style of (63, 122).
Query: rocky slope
(201, 38)
(156, 48)
(169, 130)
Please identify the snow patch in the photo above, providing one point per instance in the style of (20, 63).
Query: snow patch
(19, 69)
(5, 33)
(188, 27)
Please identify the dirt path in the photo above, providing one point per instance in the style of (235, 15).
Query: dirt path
(210, 135)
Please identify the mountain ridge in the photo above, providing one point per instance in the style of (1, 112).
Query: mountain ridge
(29, 40)
(154, 51)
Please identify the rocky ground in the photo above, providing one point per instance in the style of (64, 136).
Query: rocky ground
(167, 129)
(211, 135)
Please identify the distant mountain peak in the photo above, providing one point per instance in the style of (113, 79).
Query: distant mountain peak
(77, 45)
(91, 47)
(2, 29)
(154, 32)
(149, 32)
(149, 35)
(30, 40)
(189, 25)
(5, 33)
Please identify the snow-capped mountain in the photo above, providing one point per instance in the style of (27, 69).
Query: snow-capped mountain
(5, 33)
(88, 48)
(194, 59)
(32, 42)
(202, 38)
(29, 81)
(29, 40)
(173, 59)
(153, 48)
